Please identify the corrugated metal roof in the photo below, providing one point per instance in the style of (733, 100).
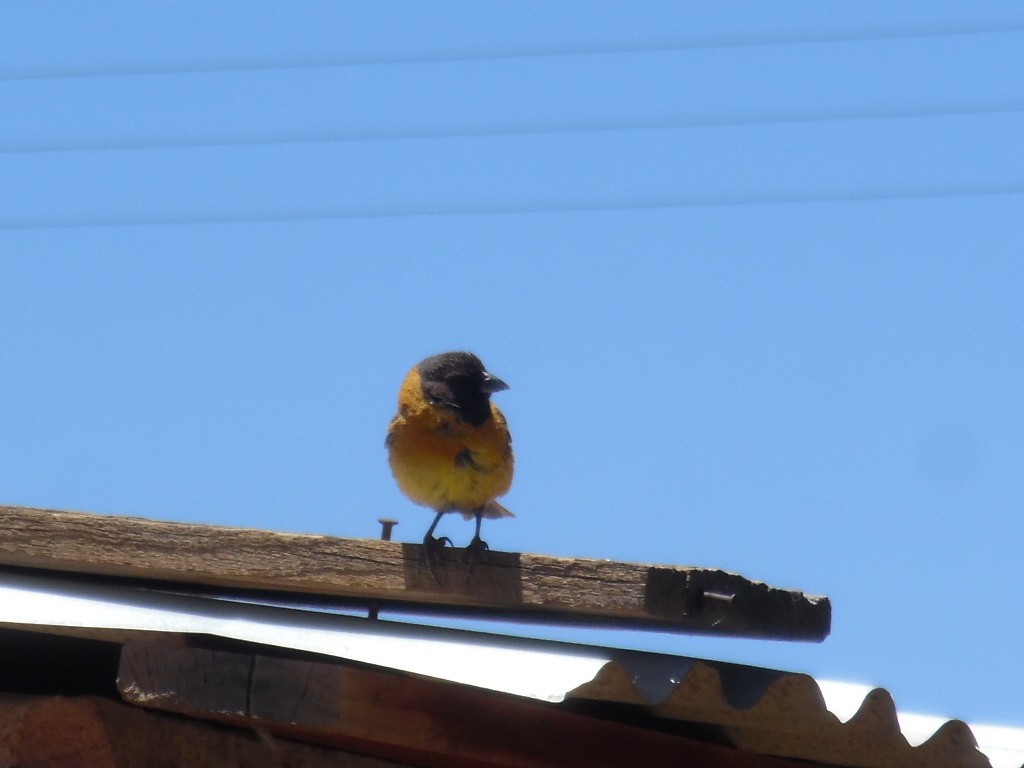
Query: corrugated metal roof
(786, 714)
(758, 710)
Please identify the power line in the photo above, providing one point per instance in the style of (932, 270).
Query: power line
(410, 212)
(654, 124)
(538, 52)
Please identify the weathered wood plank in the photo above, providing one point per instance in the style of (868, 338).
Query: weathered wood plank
(400, 717)
(509, 585)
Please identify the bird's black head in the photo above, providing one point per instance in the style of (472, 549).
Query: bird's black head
(458, 381)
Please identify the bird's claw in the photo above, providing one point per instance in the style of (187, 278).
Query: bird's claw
(475, 552)
(431, 552)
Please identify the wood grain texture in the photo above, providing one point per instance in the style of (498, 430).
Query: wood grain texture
(400, 717)
(509, 585)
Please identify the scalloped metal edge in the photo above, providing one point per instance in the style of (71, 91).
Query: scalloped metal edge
(788, 715)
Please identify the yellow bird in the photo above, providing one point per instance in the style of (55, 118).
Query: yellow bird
(449, 446)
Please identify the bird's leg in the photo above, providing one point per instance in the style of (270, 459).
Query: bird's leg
(478, 548)
(432, 547)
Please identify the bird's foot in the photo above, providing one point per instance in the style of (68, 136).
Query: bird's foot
(431, 552)
(475, 553)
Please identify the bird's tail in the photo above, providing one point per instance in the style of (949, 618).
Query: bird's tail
(493, 509)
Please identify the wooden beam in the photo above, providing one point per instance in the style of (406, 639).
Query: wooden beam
(97, 732)
(400, 717)
(310, 568)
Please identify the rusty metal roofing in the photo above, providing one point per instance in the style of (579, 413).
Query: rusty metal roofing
(757, 710)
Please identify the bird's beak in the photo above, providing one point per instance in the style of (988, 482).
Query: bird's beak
(492, 384)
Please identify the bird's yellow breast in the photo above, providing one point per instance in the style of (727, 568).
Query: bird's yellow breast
(442, 462)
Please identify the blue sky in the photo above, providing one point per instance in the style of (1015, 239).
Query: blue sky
(754, 274)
